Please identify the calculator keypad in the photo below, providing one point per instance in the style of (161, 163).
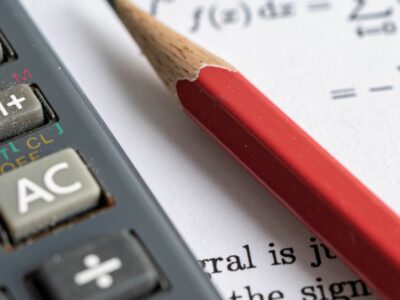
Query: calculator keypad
(112, 267)
(46, 192)
(76, 223)
(20, 111)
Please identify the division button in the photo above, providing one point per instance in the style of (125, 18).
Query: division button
(113, 267)
(45, 192)
(20, 111)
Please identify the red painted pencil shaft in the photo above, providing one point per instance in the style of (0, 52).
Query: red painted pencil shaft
(311, 183)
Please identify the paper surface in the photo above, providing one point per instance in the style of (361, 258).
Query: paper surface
(332, 66)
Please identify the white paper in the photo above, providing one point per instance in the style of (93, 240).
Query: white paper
(298, 53)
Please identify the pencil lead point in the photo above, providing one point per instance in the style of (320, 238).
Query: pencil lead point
(112, 3)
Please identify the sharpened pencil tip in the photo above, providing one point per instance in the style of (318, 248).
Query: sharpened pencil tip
(112, 3)
(172, 55)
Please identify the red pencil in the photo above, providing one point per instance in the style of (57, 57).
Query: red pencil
(326, 197)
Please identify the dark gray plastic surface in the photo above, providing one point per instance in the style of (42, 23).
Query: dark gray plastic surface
(79, 127)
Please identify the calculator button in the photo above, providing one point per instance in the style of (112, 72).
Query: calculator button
(20, 110)
(3, 296)
(45, 192)
(1, 60)
(113, 267)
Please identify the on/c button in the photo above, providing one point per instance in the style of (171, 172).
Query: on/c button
(45, 192)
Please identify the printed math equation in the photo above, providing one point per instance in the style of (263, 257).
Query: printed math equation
(367, 18)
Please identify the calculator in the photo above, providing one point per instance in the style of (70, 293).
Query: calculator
(76, 220)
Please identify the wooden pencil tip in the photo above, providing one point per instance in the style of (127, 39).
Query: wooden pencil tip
(172, 55)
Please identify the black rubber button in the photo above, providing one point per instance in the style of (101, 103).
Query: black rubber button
(111, 268)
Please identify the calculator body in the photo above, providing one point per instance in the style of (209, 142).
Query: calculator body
(127, 205)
